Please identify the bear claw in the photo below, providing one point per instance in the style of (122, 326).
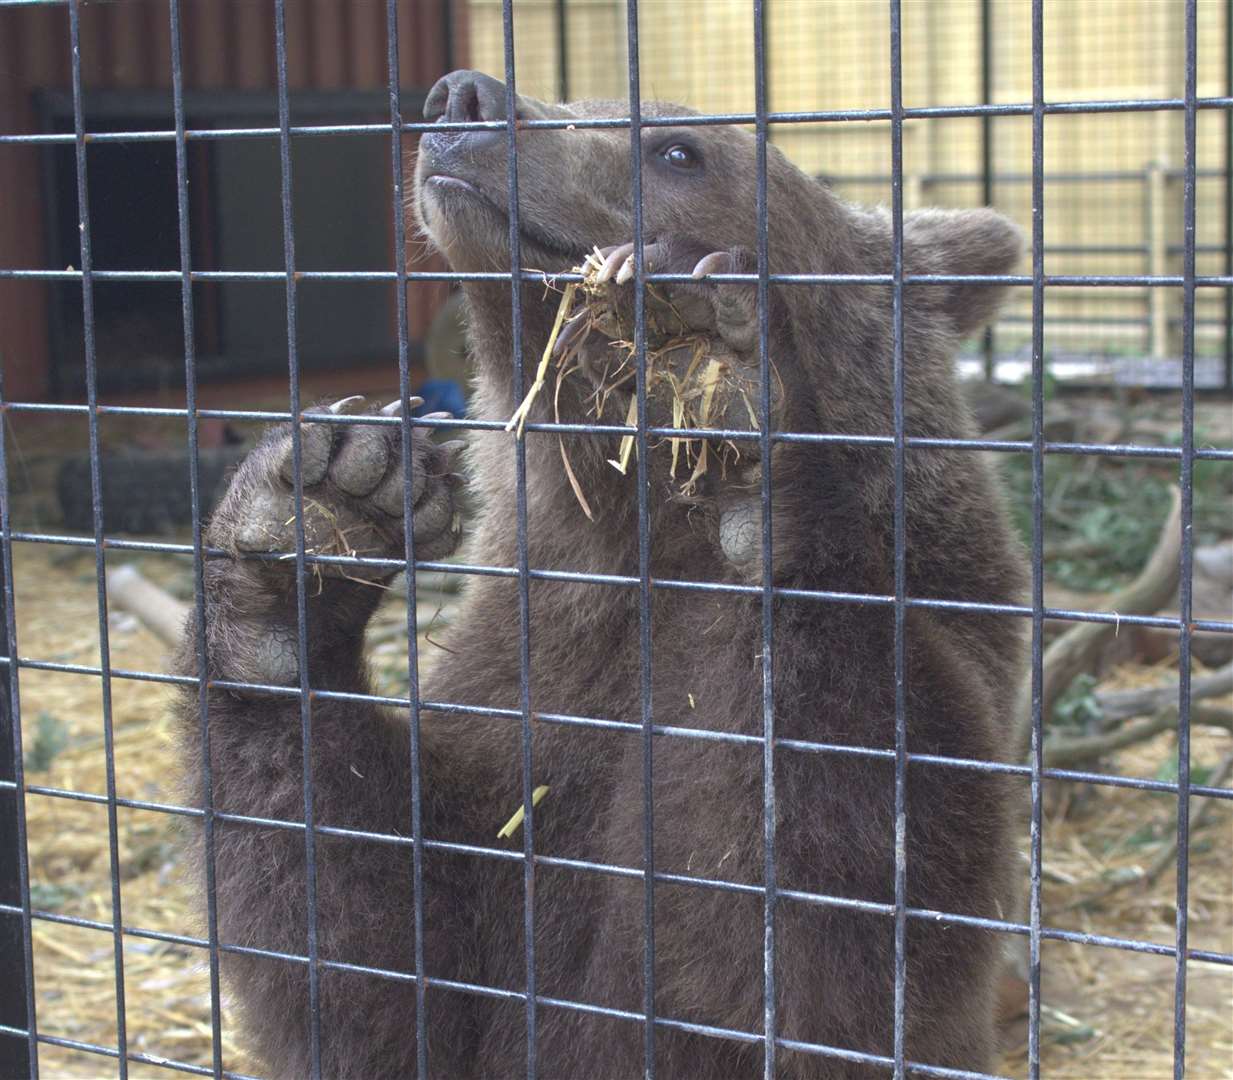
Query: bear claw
(394, 408)
(353, 487)
(717, 262)
(345, 405)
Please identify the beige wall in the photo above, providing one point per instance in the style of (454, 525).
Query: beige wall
(834, 54)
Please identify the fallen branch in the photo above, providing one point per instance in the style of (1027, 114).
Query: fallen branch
(427, 581)
(428, 617)
(1077, 649)
(1062, 426)
(1119, 705)
(1166, 856)
(155, 608)
(1064, 752)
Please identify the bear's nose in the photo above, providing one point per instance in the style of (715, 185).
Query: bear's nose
(465, 97)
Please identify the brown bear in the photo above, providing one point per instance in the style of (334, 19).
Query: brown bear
(830, 354)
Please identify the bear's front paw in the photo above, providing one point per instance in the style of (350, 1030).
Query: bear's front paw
(353, 493)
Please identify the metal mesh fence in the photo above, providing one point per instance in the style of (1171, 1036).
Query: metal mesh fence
(1134, 272)
(1116, 181)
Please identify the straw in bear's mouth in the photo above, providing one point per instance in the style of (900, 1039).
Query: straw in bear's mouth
(692, 374)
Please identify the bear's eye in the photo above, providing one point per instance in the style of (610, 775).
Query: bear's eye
(680, 156)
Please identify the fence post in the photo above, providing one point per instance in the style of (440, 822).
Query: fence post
(920, 152)
(986, 152)
(1228, 196)
(562, 50)
(14, 1052)
(448, 43)
(1164, 192)
(1145, 199)
(1162, 305)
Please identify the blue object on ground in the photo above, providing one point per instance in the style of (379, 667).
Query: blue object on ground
(441, 395)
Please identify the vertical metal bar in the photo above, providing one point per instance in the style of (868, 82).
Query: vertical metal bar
(194, 486)
(764, 52)
(524, 579)
(1189, 155)
(96, 500)
(644, 546)
(1038, 531)
(900, 533)
(14, 1053)
(19, 968)
(562, 31)
(986, 153)
(1228, 196)
(301, 600)
(408, 501)
(770, 877)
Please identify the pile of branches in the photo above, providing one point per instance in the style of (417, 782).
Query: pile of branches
(1124, 717)
(1118, 719)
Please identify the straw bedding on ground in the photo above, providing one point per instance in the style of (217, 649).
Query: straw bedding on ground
(1108, 1013)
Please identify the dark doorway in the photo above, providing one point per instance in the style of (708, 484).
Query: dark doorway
(341, 202)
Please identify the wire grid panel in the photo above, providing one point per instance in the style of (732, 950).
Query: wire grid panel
(899, 602)
(1116, 184)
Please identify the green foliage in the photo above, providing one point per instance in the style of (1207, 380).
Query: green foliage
(50, 737)
(51, 897)
(1078, 707)
(1083, 1033)
(1149, 834)
(1103, 515)
(1199, 774)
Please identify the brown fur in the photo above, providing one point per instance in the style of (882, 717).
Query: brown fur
(833, 670)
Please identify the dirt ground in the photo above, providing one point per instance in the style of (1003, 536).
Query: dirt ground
(1107, 1012)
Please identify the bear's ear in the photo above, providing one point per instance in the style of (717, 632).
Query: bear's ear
(960, 242)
